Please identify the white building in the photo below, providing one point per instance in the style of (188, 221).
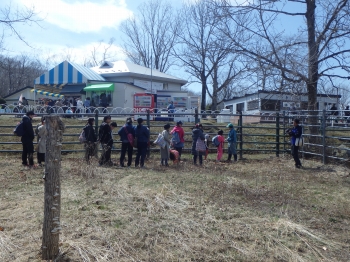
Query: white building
(270, 101)
(113, 83)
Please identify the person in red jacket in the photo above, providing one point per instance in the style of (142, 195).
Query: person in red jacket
(180, 133)
(220, 148)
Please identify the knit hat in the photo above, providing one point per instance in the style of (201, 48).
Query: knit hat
(229, 125)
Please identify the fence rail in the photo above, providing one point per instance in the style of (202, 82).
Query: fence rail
(325, 137)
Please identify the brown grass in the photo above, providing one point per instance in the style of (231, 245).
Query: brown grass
(253, 210)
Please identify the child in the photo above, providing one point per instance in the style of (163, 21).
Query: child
(221, 140)
(175, 156)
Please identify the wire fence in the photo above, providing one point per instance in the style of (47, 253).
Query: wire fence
(327, 137)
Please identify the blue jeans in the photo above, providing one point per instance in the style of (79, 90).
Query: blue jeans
(141, 153)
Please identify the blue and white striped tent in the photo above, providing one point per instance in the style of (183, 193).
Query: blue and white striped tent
(68, 73)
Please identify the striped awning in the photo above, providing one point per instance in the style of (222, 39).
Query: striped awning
(68, 73)
(46, 93)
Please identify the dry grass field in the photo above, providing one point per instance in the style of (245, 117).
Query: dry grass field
(260, 209)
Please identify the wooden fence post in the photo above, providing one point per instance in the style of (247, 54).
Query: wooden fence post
(149, 127)
(323, 128)
(277, 134)
(196, 120)
(52, 199)
(241, 135)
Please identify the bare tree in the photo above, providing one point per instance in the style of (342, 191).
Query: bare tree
(151, 35)
(11, 16)
(18, 72)
(205, 53)
(101, 52)
(320, 42)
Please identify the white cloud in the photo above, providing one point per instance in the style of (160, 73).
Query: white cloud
(55, 54)
(81, 16)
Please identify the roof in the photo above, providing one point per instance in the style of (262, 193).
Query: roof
(68, 73)
(125, 68)
(19, 90)
(280, 93)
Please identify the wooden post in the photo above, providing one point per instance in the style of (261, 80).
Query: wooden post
(240, 135)
(52, 199)
(196, 119)
(277, 134)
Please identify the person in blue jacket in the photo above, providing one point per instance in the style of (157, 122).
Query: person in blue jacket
(142, 136)
(295, 133)
(232, 141)
(123, 132)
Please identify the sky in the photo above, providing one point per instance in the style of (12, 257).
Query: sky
(74, 27)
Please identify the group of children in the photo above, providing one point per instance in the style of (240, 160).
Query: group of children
(172, 143)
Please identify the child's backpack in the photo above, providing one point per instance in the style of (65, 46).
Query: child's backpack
(82, 137)
(175, 139)
(215, 141)
(19, 130)
(129, 136)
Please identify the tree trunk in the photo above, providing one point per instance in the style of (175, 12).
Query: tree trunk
(214, 104)
(313, 65)
(204, 92)
(52, 200)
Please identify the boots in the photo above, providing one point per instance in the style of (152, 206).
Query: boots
(229, 157)
(235, 157)
(162, 162)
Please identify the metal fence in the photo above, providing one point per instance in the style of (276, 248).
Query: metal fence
(326, 138)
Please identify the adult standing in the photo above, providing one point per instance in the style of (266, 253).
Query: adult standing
(142, 136)
(104, 127)
(91, 140)
(106, 140)
(232, 141)
(197, 133)
(80, 107)
(295, 133)
(104, 134)
(27, 140)
(171, 109)
(180, 133)
(165, 152)
(42, 134)
(123, 132)
(87, 104)
(334, 112)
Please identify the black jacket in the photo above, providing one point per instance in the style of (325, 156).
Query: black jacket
(105, 134)
(90, 133)
(28, 132)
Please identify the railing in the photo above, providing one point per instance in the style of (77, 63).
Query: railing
(327, 137)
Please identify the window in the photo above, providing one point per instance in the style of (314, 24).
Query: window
(252, 105)
(270, 105)
(101, 98)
